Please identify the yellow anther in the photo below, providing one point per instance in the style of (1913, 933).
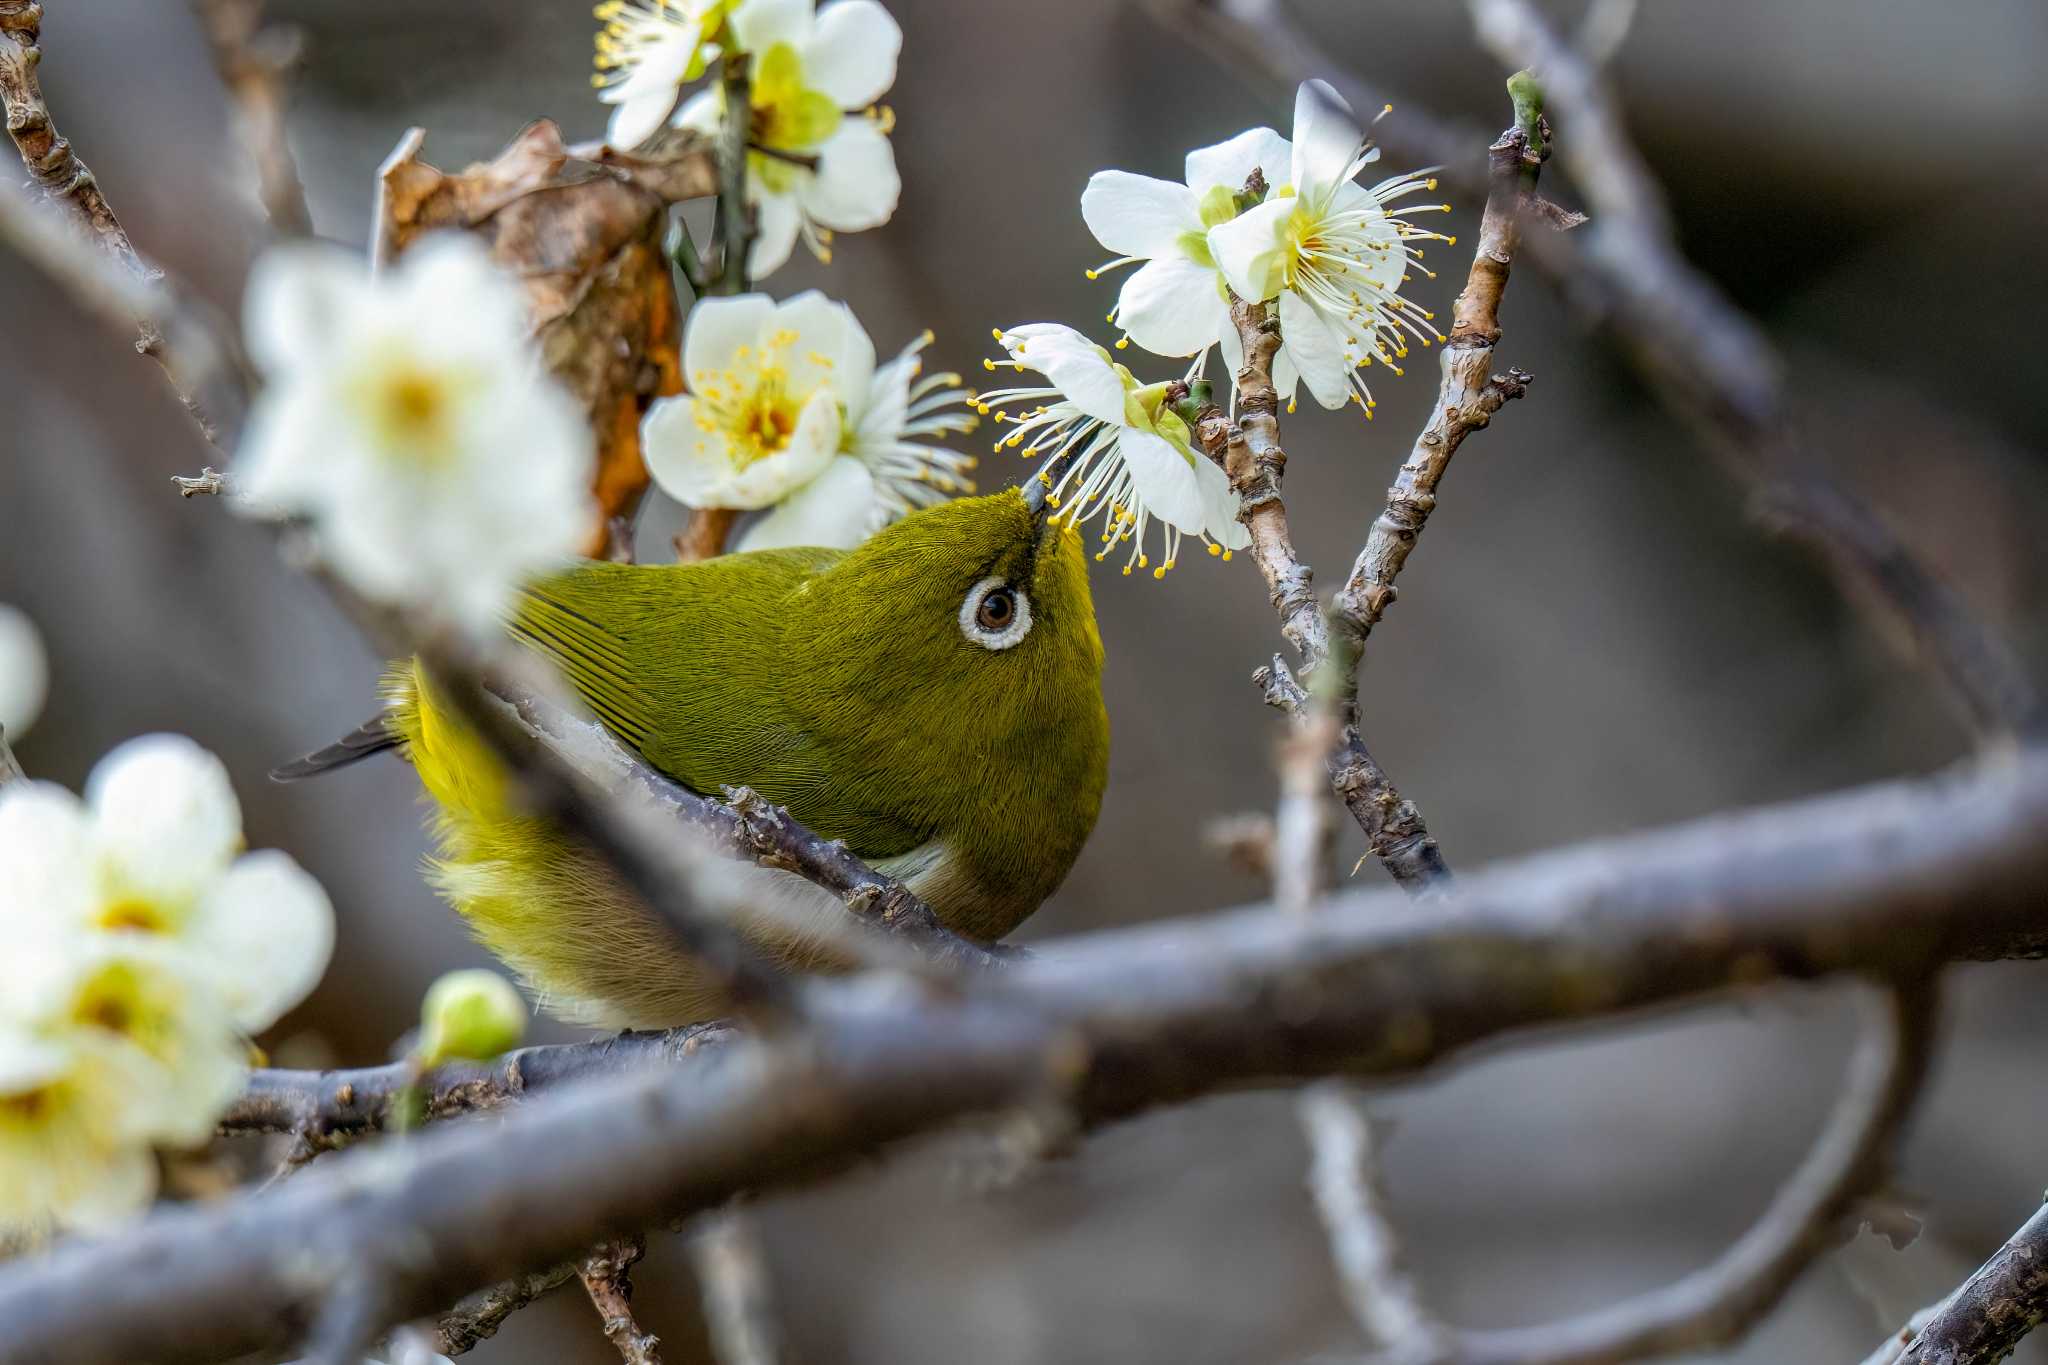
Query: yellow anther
(1214, 548)
(1123, 343)
(987, 364)
(1226, 556)
(996, 332)
(1159, 572)
(1092, 274)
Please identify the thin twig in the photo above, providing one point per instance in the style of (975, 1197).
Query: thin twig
(478, 1317)
(1717, 1305)
(65, 182)
(1713, 362)
(732, 1276)
(1344, 1178)
(704, 535)
(253, 60)
(10, 766)
(607, 1278)
(2003, 1301)
(1892, 880)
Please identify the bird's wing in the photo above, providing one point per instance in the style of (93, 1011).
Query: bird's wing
(686, 663)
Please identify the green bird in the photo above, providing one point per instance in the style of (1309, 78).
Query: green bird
(933, 697)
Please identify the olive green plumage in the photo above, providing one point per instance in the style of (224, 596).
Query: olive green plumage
(932, 697)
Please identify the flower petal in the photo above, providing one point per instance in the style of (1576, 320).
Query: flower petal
(1135, 215)
(24, 672)
(718, 328)
(1165, 479)
(851, 54)
(642, 108)
(702, 112)
(1231, 163)
(266, 932)
(836, 509)
(300, 301)
(165, 816)
(50, 887)
(1076, 366)
(1251, 249)
(854, 375)
(757, 25)
(777, 220)
(690, 462)
(1318, 352)
(1286, 374)
(1171, 306)
(856, 185)
(811, 357)
(1327, 138)
(1219, 507)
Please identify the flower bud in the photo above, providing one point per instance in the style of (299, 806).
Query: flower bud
(472, 1014)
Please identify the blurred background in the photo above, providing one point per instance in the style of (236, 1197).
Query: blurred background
(1589, 640)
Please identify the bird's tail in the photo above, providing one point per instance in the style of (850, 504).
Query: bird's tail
(371, 737)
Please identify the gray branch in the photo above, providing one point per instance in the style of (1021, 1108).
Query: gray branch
(1892, 881)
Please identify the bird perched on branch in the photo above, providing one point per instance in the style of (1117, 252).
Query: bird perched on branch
(932, 697)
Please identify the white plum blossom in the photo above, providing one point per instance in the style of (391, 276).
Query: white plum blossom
(885, 468)
(409, 418)
(1332, 253)
(646, 52)
(815, 165)
(154, 853)
(1177, 303)
(142, 947)
(24, 672)
(1115, 448)
(761, 417)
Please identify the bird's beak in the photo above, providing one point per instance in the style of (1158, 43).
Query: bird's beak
(1038, 488)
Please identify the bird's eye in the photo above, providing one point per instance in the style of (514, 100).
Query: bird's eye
(995, 615)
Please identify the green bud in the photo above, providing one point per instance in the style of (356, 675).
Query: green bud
(472, 1014)
(1218, 204)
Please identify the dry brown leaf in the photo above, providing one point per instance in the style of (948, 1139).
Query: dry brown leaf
(581, 228)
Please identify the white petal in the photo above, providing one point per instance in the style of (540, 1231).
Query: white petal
(455, 303)
(1327, 137)
(1286, 374)
(836, 509)
(812, 359)
(1076, 366)
(51, 881)
(758, 25)
(1171, 306)
(1219, 506)
(851, 54)
(1232, 163)
(1135, 215)
(266, 930)
(702, 112)
(1317, 351)
(717, 329)
(777, 220)
(854, 376)
(300, 302)
(165, 816)
(690, 463)
(1251, 249)
(640, 113)
(856, 185)
(1165, 480)
(24, 672)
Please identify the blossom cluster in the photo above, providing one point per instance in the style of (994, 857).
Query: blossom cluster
(1258, 219)
(143, 950)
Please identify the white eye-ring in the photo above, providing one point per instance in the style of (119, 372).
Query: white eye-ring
(995, 615)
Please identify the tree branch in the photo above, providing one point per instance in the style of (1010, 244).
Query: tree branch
(1892, 880)
(253, 60)
(2006, 1299)
(606, 1275)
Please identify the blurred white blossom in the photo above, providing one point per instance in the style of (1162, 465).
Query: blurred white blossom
(140, 947)
(1332, 253)
(815, 164)
(24, 671)
(1129, 458)
(646, 52)
(409, 418)
(886, 467)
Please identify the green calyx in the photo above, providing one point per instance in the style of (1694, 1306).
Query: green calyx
(1148, 409)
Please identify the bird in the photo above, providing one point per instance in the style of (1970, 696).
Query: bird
(932, 697)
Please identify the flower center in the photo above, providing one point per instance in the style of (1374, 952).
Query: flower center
(752, 405)
(132, 915)
(410, 408)
(786, 114)
(28, 1107)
